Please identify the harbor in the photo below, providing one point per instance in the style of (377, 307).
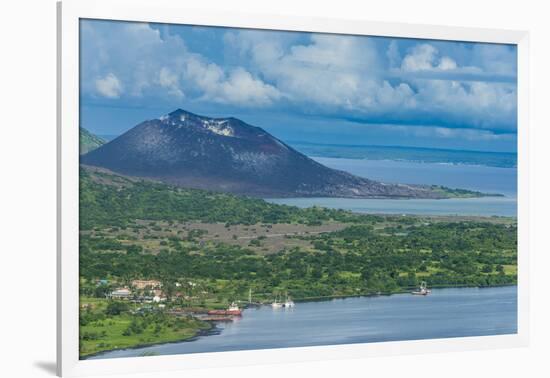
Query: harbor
(444, 313)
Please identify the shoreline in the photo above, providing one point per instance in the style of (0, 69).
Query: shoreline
(387, 294)
(214, 330)
(445, 192)
(201, 332)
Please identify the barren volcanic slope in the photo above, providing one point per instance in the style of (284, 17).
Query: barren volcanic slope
(226, 154)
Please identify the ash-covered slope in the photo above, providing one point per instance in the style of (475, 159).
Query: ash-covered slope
(226, 154)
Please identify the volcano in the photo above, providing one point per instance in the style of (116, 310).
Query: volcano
(229, 155)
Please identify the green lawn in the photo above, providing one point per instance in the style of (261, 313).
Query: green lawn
(128, 330)
(510, 269)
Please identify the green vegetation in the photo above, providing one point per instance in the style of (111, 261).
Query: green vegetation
(461, 193)
(89, 141)
(109, 200)
(356, 260)
(101, 330)
(209, 249)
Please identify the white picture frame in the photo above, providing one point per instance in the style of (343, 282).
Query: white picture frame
(168, 11)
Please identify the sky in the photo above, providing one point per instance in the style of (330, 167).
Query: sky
(320, 88)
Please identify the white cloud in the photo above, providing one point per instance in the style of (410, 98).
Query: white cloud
(495, 58)
(447, 63)
(328, 71)
(438, 132)
(242, 88)
(425, 57)
(475, 104)
(108, 86)
(393, 54)
(345, 73)
(327, 74)
(170, 80)
(144, 62)
(236, 87)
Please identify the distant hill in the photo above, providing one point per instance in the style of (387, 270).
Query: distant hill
(228, 155)
(89, 141)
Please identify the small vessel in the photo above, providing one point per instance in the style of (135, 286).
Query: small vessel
(289, 302)
(233, 309)
(422, 290)
(276, 304)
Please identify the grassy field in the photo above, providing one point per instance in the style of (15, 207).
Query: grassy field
(511, 269)
(261, 238)
(126, 330)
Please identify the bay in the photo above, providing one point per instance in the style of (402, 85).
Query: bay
(485, 206)
(445, 313)
(472, 177)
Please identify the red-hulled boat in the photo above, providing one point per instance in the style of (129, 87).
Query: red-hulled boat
(231, 310)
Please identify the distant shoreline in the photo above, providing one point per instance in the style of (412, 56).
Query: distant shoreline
(420, 155)
(416, 161)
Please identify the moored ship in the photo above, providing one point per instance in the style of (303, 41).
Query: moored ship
(422, 290)
(233, 309)
(289, 302)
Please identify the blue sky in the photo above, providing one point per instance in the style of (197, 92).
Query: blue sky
(302, 86)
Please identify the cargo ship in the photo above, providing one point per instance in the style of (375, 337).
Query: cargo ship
(233, 309)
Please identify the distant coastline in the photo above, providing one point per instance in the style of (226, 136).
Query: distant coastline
(409, 154)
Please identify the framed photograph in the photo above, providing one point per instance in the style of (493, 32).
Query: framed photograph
(238, 188)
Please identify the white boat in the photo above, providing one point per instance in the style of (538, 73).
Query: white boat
(233, 307)
(422, 290)
(276, 303)
(289, 302)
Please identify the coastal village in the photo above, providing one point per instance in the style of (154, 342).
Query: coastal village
(141, 290)
(149, 296)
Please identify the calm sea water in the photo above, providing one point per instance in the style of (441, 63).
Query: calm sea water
(487, 206)
(473, 177)
(417, 154)
(443, 314)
